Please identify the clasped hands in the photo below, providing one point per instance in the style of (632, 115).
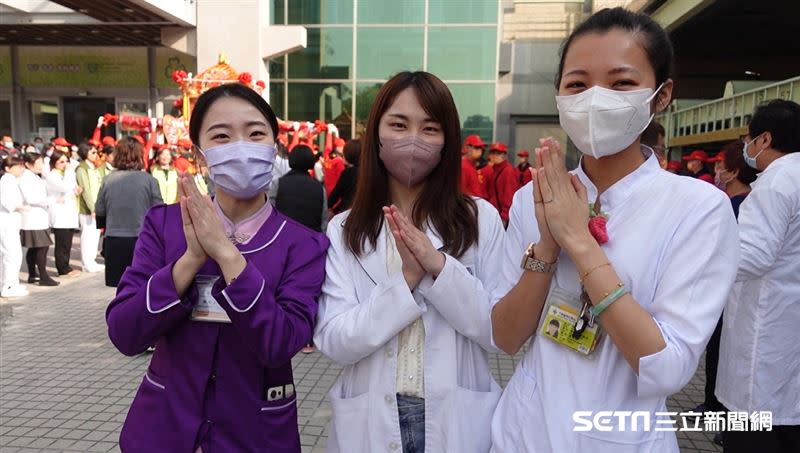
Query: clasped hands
(418, 254)
(204, 231)
(560, 201)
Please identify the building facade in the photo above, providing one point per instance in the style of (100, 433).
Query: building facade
(354, 46)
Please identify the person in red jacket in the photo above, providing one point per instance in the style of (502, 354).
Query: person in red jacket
(471, 154)
(523, 167)
(504, 181)
(183, 161)
(333, 166)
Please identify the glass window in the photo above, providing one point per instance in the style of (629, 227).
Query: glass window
(44, 119)
(5, 117)
(383, 52)
(462, 11)
(330, 102)
(391, 12)
(462, 53)
(276, 12)
(475, 103)
(276, 91)
(320, 11)
(365, 97)
(277, 68)
(329, 55)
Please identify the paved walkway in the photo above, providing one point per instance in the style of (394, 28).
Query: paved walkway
(63, 386)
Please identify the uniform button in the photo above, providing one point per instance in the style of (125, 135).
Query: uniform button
(389, 352)
(394, 446)
(389, 400)
(411, 378)
(209, 422)
(412, 349)
(213, 376)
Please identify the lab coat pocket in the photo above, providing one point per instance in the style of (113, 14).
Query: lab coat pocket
(470, 419)
(350, 423)
(631, 437)
(511, 421)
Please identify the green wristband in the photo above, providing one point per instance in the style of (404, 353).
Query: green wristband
(610, 299)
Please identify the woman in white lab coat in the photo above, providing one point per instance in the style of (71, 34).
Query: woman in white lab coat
(62, 192)
(652, 272)
(12, 204)
(35, 228)
(406, 301)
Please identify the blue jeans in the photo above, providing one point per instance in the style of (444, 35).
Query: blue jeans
(412, 423)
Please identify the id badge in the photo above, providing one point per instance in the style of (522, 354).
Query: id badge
(563, 314)
(207, 308)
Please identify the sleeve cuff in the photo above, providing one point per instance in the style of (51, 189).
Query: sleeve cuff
(659, 374)
(243, 293)
(431, 289)
(162, 295)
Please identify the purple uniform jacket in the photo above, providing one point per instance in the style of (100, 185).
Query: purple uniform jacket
(206, 383)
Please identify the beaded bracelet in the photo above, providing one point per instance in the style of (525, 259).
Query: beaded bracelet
(608, 300)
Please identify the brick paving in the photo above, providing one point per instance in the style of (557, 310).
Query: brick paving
(63, 386)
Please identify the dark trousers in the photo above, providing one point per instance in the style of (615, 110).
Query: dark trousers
(37, 257)
(63, 249)
(782, 439)
(118, 253)
(712, 360)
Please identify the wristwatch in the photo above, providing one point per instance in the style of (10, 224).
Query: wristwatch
(533, 264)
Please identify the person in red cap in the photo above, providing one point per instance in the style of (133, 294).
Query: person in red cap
(696, 167)
(674, 166)
(472, 151)
(334, 166)
(504, 181)
(109, 141)
(523, 166)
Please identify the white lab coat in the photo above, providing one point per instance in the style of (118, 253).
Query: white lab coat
(759, 360)
(10, 200)
(361, 312)
(673, 243)
(64, 213)
(34, 192)
(10, 221)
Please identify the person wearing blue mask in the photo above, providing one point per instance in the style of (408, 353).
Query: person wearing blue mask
(759, 357)
(226, 290)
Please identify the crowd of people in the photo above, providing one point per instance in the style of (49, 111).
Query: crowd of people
(398, 256)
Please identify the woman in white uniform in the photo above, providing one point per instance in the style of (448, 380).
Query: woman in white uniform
(406, 302)
(636, 290)
(63, 191)
(12, 204)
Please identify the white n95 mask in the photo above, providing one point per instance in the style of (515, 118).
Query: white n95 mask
(602, 122)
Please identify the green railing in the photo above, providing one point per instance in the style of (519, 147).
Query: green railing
(723, 119)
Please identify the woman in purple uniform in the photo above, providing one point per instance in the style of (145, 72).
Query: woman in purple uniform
(226, 290)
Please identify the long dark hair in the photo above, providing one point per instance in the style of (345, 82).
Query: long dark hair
(55, 157)
(452, 214)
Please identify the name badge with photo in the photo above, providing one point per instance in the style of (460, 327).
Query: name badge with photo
(564, 323)
(207, 308)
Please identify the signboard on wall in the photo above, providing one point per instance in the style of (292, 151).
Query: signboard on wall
(83, 66)
(167, 61)
(5, 66)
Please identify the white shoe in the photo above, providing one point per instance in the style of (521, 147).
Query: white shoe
(15, 291)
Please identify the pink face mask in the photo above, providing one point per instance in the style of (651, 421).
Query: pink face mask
(410, 159)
